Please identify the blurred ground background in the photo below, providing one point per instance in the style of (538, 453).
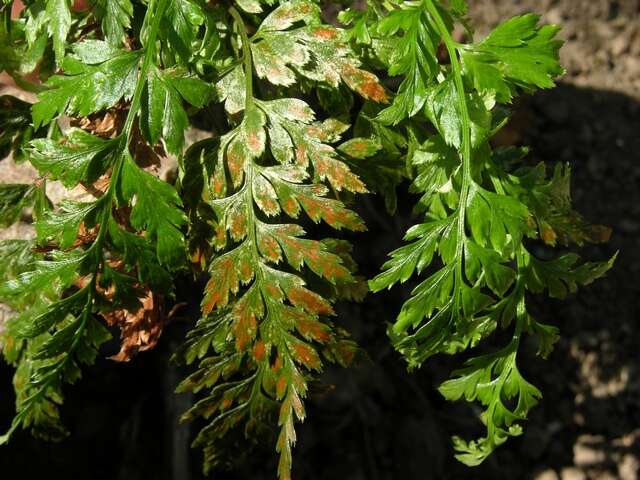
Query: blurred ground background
(375, 421)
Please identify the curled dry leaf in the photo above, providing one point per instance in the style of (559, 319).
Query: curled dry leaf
(95, 189)
(146, 156)
(85, 235)
(140, 330)
(104, 125)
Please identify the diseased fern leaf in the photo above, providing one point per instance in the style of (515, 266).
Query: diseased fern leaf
(266, 326)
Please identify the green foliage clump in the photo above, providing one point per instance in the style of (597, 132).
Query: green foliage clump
(307, 117)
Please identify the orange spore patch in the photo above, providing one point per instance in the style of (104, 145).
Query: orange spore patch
(333, 216)
(259, 350)
(210, 301)
(310, 328)
(225, 264)
(296, 315)
(339, 217)
(300, 112)
(254, 142)
(323, 263)
(365, 83)
(338, 174)
(246, 270)
(321, 166)
(291, 206)
(307, 356)
(312, 207)
(312, 252)
(239, 226)
(359, 146)
(372, 90)
(270, 205)
(281, 386)
(269, 248)
(272, 290)
(311, 302)
(218, 185)
(325, 33)
(292, 242)
(216, 291)
(333, 271)
(301, 155)
(274, 72)
(316, 132)
(221, 235)
(245, 329)
(235, 161)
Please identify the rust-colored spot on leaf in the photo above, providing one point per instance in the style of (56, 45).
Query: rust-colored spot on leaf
(236, 157)
(332, 212)
(373, 91)
(281, 386)
(301, 155)
(237, 224)
(221, 236)
(313, 329)
(272, 290)
(269, 248)
(363, 82)
(245, 328)
(259, 351)
(212, 298)
(218, 185)
(359, 146)
(291, 207)
(224, 279)
(225, 404)
(245, 269)
(306, 355)
(338, 174)
(254, 142)
(325, 33)
(311, 302)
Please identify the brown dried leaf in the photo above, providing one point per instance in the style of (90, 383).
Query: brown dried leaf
(140, 330)
(105, 125)
(85, 235)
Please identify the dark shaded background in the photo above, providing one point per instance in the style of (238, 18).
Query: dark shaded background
(376, 421)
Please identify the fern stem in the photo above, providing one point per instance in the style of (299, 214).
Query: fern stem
(465, 119)
(246, 56)
(249, 165)
(155, 12)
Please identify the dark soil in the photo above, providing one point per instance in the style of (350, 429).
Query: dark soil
(378, 422)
